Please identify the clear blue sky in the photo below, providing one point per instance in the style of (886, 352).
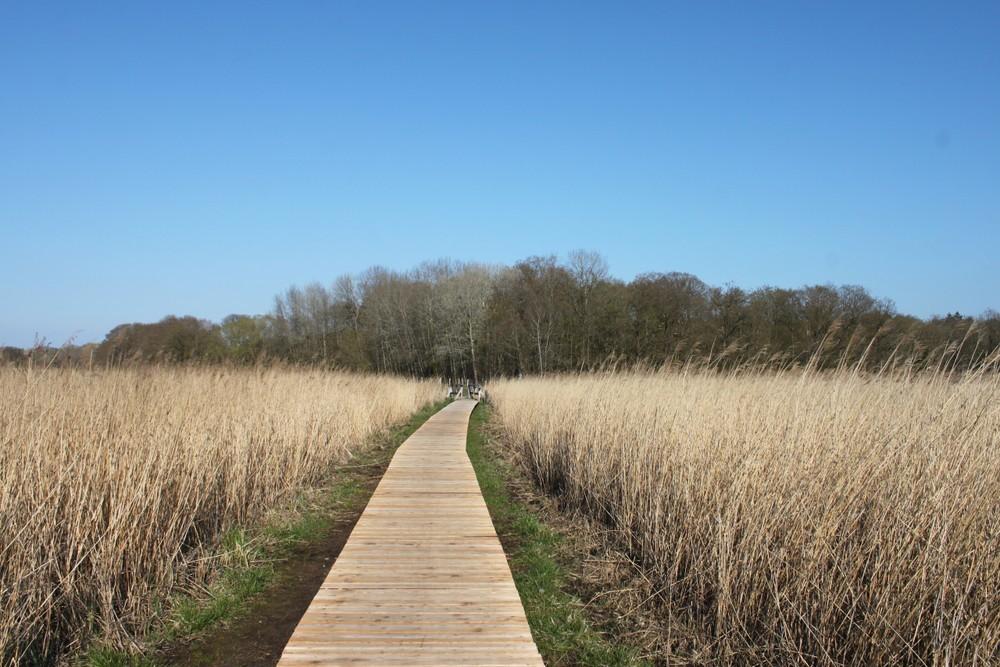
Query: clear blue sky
(160, 158)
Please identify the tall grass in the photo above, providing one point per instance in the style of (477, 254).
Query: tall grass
(114, 485)
(791, 518)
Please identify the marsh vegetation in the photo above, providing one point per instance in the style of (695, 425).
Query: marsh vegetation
(786, 518)
(117, 486)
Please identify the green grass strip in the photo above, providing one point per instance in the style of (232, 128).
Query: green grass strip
(557, 619)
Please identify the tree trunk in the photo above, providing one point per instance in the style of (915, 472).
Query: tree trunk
(472, 353)
(538, 341)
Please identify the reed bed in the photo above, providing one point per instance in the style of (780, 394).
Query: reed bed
(786, 518)
(115, 485)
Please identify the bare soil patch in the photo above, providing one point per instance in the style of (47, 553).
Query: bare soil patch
(256, 639)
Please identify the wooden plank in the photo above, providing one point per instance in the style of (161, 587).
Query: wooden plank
(422, 579)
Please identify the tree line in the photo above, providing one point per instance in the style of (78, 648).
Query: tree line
(452, 319)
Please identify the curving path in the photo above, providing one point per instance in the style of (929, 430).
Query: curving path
(423, 579)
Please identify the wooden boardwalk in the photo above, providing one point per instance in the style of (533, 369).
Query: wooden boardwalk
(422, 579)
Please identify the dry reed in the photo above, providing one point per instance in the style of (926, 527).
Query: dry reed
(112, 483)
(790, 518)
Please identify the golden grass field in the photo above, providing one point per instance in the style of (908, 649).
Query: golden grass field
(786, 518)
(114, 483)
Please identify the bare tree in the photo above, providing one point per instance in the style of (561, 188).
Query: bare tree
(589, 270)
(469, 290)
